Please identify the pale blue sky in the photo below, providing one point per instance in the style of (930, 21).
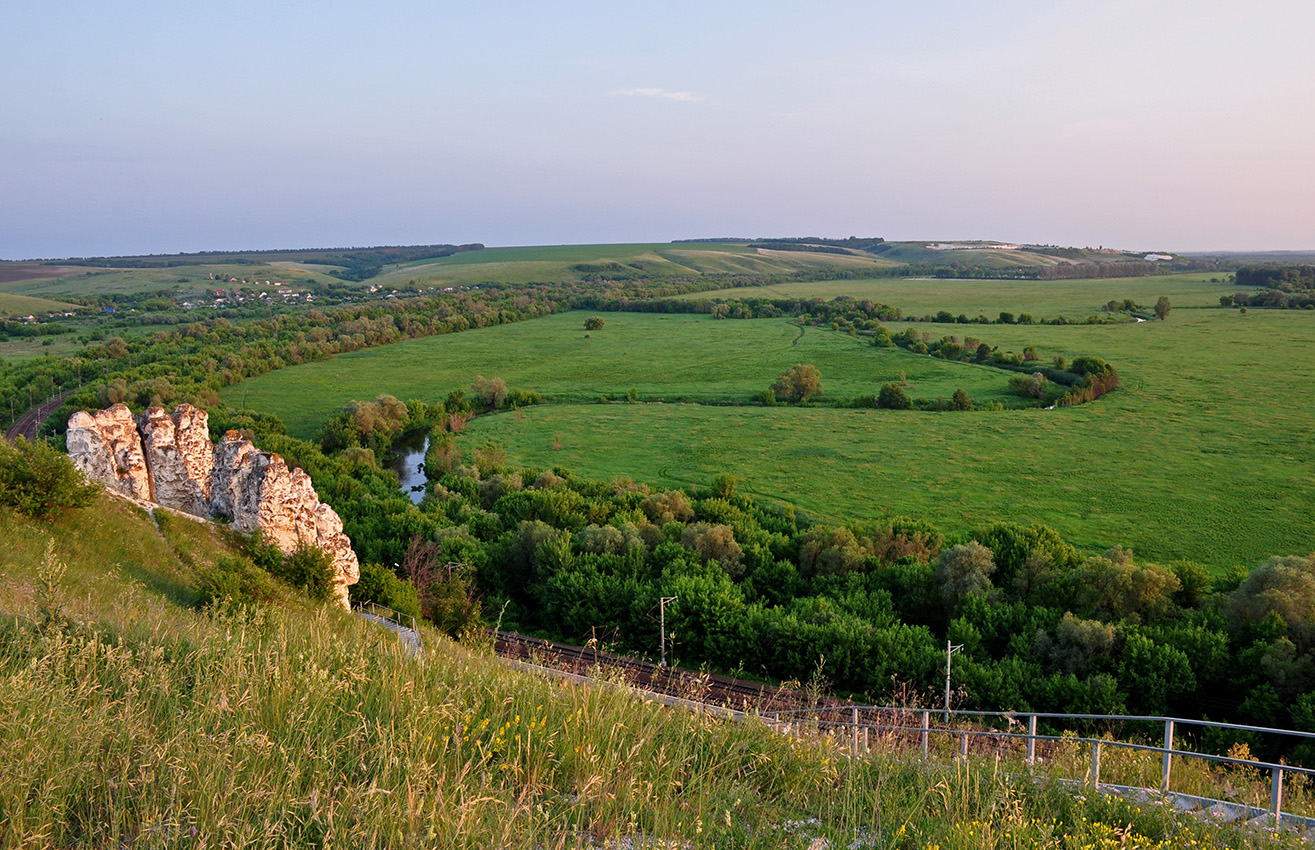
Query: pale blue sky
(159, 126)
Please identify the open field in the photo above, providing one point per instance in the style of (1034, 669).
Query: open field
(664, 357)
(1075, 299)
(26, 348)
(22, 305)
(918, 252)
(555, 262)
(1207, 452)
(188, 279)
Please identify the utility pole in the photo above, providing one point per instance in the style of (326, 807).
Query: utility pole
(662, 619)
(950, 649)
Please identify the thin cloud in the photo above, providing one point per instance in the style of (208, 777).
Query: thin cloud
(683, 96)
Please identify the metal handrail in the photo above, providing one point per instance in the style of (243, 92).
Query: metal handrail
(394, 616)
(1046, 715)
(925, 729)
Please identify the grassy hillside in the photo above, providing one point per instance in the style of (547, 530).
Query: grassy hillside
(22, 305)
(132, 720)
(187, 279)
(918, 252)
(1074, 299)
(575, 262)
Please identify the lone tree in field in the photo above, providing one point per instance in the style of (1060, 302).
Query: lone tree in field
(593, 323)
(798, 383)
(893, 397)
(1162, 308)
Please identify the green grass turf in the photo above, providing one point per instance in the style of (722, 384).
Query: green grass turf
(188, 279)
(1205, 453)
(554, 262)
(22, 305)
(664, 357)
(1075, 299)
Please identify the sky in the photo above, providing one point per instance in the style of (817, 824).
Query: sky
(159, 127)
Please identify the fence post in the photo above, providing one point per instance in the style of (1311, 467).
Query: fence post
(853, 716)
(926, 724)
(1031, 741)
(867, 747)
(1276, 795)
(1168, 755)
(1095, 765)
(963, 745)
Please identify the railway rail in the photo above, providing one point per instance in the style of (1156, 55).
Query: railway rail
(28, 425)
(696, 686)
(920, 733)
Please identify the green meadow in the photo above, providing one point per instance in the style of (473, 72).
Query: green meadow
(558, 263)
(1205, 452)
(665, 358)
(22, 305)
(90, 282)
(1074, 299)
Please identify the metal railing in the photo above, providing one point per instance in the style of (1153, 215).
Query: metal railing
(851, 720)
(383, 612)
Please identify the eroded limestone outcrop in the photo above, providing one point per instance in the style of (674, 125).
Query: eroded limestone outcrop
(258, 492)
(106, 446)
(179, 457)
(169, 459)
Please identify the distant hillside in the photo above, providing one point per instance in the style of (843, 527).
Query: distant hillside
(1232, 259)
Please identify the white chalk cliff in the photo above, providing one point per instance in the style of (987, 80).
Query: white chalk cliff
(169, 459)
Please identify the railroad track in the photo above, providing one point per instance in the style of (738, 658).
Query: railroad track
(29, 423)
(692, 685)
(825, 715)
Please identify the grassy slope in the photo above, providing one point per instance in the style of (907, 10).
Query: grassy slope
(1075, 299)
(918, 252)
(188, 279)
(554, 262)
(131, 720)
(21, 305)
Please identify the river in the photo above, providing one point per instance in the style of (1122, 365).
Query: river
(409, 464)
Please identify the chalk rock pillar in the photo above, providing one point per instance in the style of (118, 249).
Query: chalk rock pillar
(180, 456)
(106, 447)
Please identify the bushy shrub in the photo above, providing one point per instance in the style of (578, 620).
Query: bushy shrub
(1029, 386)
(893, 397)
(235, 581)
(381, 585)
(799, 383)
(39, 481)
(310, 569)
